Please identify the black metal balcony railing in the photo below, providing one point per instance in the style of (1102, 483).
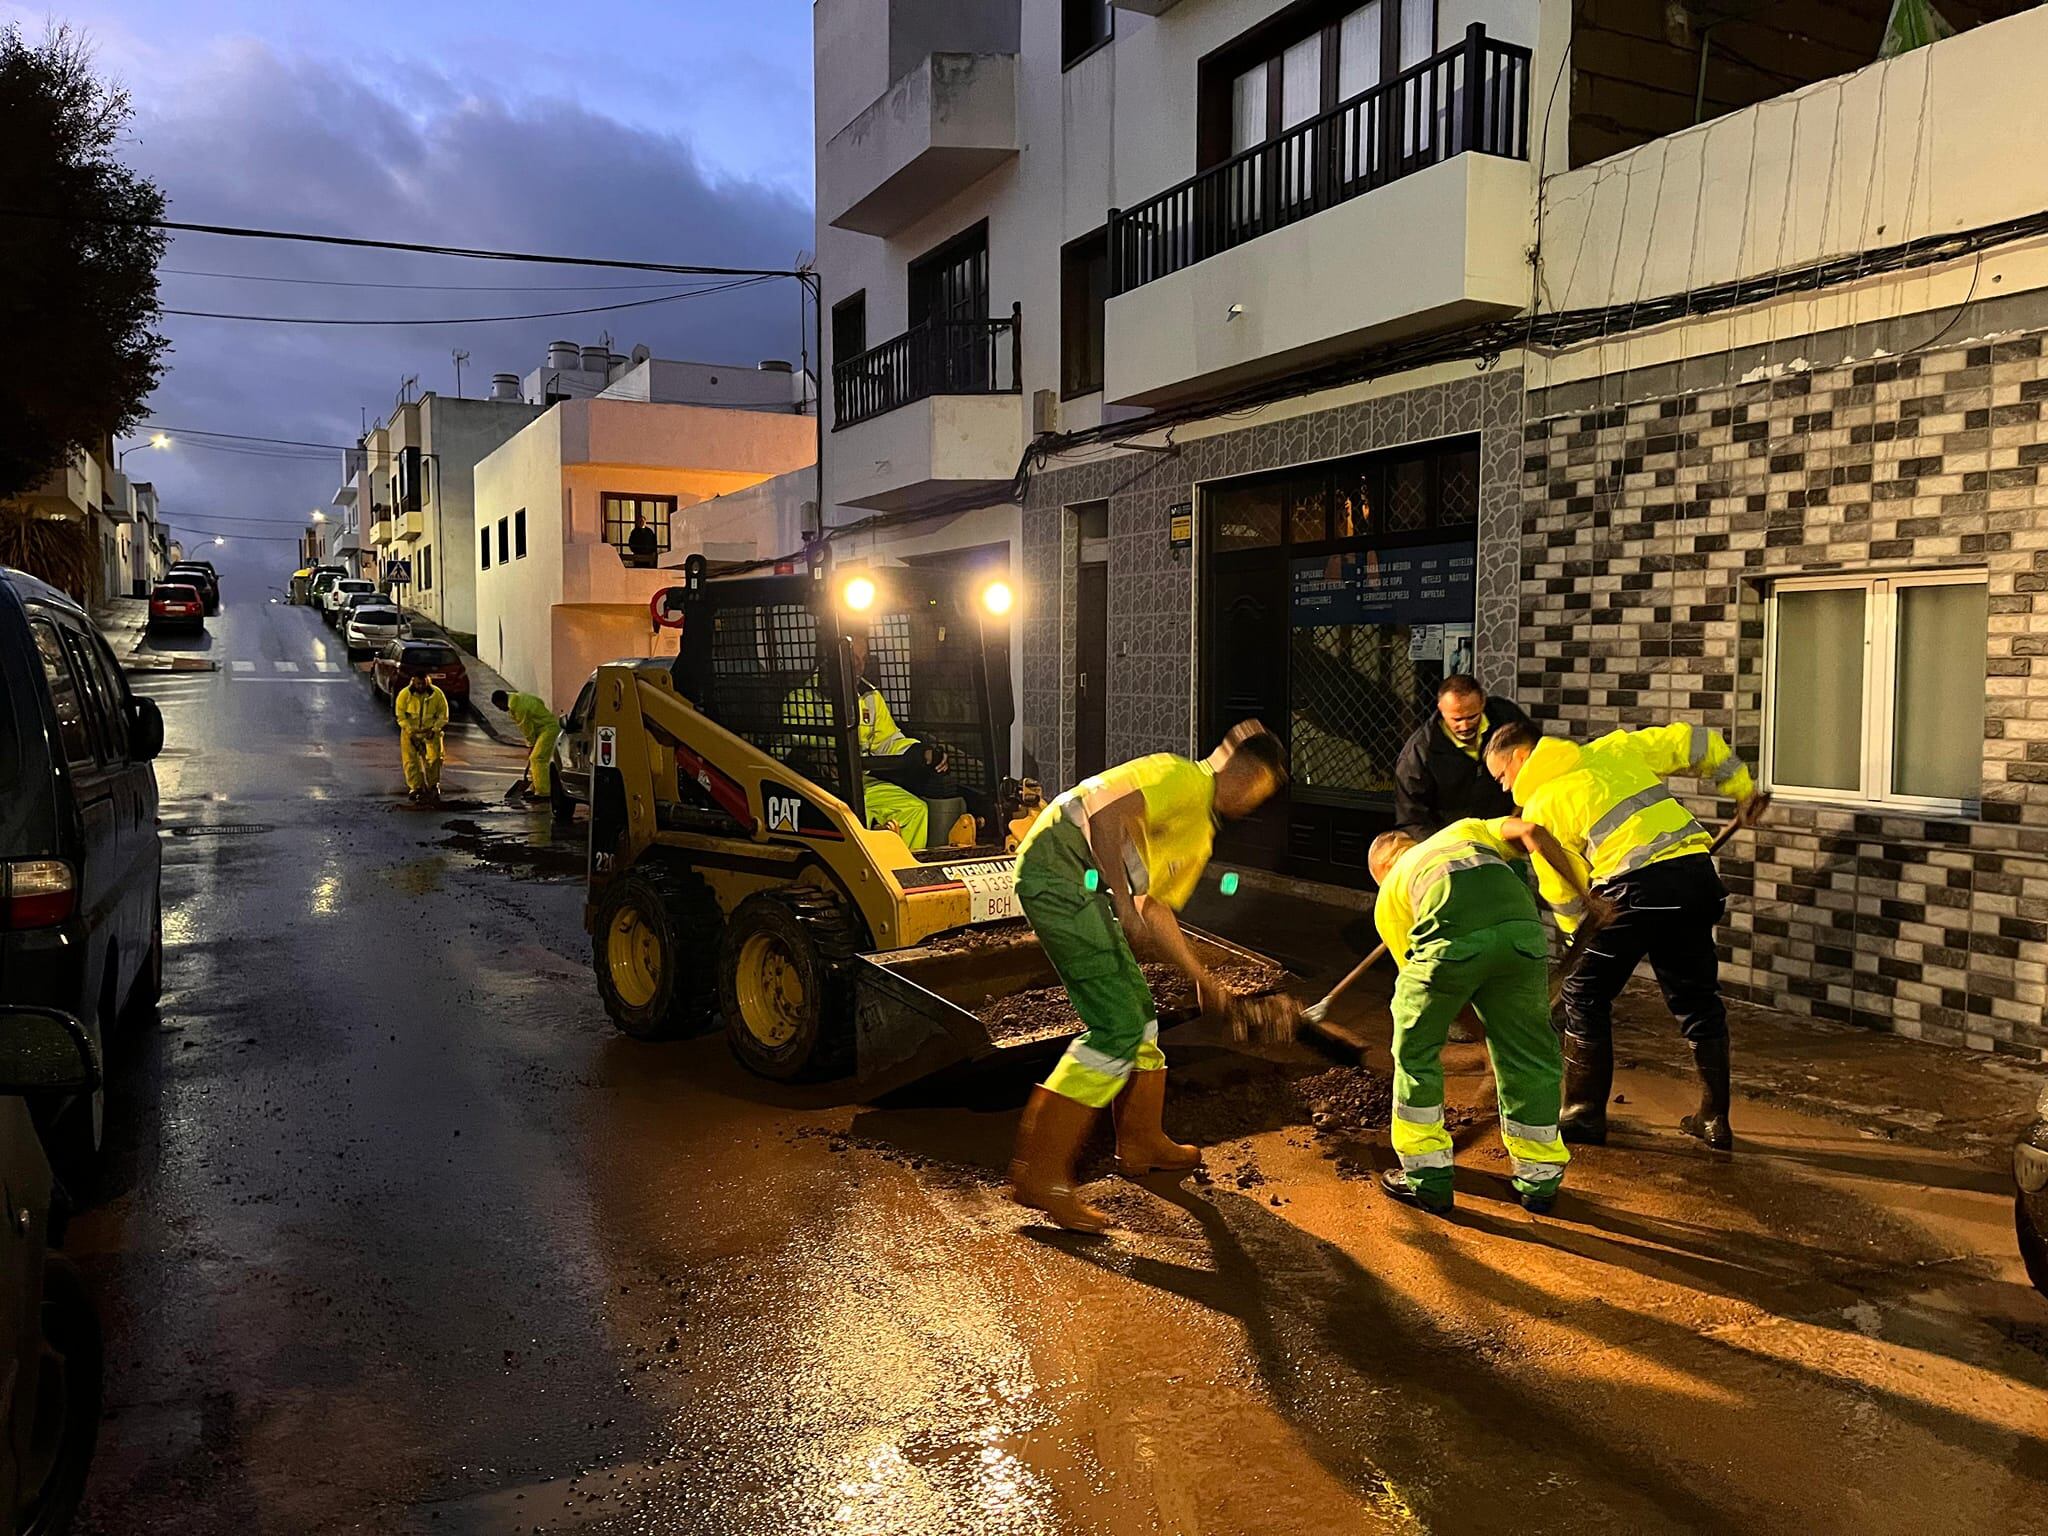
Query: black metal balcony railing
(940, 357)
(1471, 97)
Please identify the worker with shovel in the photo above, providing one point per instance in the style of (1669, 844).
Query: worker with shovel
(1607, 803)
(540, 726)
(1107, 864)
(422, 710)
(1460, 921)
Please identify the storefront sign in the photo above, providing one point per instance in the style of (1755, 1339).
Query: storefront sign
(1430, 584)
(1180, 525)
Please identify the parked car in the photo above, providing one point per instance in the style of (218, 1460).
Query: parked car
(176, 605)
(50, 1347)
(571, 779)
(81, 919)
(343, 588)
(303, 579)
(402, 660)
(371, 626)
(316, 594)
(201, 577)
(2030, 1205)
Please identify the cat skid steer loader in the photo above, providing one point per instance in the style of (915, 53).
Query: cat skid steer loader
(731, 875)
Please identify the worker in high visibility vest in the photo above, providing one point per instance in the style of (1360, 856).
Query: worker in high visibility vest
(422, 713)
(1460, 920)
(1607, 804)
(1108, 864)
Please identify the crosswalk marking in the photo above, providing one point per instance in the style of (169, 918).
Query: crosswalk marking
(287, 666)
(245, 666)
(326, 666)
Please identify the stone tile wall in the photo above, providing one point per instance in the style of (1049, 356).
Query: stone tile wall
(1650, 534)
(1152, 701)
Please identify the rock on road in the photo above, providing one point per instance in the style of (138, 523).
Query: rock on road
(397, 1235)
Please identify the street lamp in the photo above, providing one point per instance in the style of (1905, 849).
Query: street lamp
(157, 440)
(319, 516)
(218, 539)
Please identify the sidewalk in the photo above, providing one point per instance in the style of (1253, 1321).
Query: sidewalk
(484, 681)
(125, 623)
(1883, 1086)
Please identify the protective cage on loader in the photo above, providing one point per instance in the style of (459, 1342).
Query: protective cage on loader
(730, 874)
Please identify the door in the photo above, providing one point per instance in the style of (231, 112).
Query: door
(949, 304)
(1247, 680)
(97, 854)
(1091, 667)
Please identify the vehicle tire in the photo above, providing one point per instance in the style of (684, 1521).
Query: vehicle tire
(2033, 1240)
(784, 985)
(560, 801)
(71, 1391)
(651, 946)
(148, 990)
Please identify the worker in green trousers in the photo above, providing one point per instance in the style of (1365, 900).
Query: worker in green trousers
(1461, 922)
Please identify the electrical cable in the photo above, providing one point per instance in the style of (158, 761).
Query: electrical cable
(547, 314)
(335, 282)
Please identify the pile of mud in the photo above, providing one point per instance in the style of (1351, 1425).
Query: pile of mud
(1045, 1013)
(524, 858)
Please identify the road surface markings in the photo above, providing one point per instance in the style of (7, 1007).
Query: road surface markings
(326, 666)
(286, 666)
(245, 666)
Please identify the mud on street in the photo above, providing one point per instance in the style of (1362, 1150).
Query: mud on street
(399, 1235)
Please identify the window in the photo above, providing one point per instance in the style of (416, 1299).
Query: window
(504, 539)
(74, 734)
(620, 511)
(1303, 63)
(1875, 689)
(850, 327)
(1084, 290)
(519, 534)
(483, 547)
(97, 664)
(427, 569)
(1085, 25)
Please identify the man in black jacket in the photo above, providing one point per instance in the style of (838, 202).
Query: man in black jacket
(1441, 774)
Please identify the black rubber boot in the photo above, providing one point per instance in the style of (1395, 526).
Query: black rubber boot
(1709, 1122)
(1395, 1182)
(1588, 1082)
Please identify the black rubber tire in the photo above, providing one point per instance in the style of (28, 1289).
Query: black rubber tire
(820, 936)
(71, 1332)
(2033, 1240)
(148, 990)
(680, 919)
(560, 801)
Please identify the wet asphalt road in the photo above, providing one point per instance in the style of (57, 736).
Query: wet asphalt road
(396, 1235)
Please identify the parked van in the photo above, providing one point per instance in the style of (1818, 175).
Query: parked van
(81, 914)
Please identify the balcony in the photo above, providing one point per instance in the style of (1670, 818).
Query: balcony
(381, 533)
(928, 414)
(1146, 7)
(931, 135)
(1406, 209)
(412, 526)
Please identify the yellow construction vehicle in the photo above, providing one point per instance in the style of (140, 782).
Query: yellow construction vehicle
(729, 873)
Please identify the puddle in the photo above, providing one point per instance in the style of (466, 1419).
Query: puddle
(529, 856)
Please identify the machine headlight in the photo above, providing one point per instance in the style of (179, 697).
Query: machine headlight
(858, 594)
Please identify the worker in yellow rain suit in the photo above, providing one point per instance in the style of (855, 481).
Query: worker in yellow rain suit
(1460, 921)
(888, 756)
(422, 711)
(540, 726)
(1108, 863)
(1607, 804)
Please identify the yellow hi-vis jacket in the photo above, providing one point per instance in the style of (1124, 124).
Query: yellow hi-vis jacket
(421, 714)
(1607, 804)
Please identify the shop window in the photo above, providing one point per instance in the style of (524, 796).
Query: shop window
(1874, 689)
(1244, 516)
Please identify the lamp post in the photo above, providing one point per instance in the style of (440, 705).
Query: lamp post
(157, 440)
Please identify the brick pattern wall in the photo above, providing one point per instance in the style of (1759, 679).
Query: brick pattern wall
(1152, 587)
(1650, 532)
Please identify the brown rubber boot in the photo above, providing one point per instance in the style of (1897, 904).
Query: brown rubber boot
(1142, 1145)
(1042, 1169)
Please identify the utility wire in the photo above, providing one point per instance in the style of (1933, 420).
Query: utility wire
(335, 282)
(245, 437)
(547, 314)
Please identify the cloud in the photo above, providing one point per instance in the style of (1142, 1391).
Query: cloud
(246, 135)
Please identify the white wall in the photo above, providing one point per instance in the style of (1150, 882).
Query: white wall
(514, 602)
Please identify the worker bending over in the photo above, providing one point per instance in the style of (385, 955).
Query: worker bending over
(422, 710)
(898, 772)
(1460, 921)
(1108, 864)
(540, 726)
(1606, 802)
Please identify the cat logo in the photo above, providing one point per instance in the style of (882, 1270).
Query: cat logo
(784, 812)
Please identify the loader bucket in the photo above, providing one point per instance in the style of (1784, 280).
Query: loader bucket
(941, 1004)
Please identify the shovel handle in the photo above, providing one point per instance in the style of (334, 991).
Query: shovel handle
(1321, 1009)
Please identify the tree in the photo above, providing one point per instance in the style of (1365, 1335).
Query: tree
(79, 297)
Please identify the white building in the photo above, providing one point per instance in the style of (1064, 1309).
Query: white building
(558, 503)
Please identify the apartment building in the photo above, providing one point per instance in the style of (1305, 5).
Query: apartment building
(706, 458)
(1650, 361)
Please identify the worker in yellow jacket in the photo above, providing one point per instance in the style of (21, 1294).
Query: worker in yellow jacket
(1607, 804)
(422, 711)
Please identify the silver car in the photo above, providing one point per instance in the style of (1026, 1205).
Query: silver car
(370, 627)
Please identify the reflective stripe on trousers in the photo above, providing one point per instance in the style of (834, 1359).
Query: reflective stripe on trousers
(1420, 1137)
(1536, 1151)
(1095, 1077)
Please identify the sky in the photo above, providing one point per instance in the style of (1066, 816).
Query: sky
(663, 130)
